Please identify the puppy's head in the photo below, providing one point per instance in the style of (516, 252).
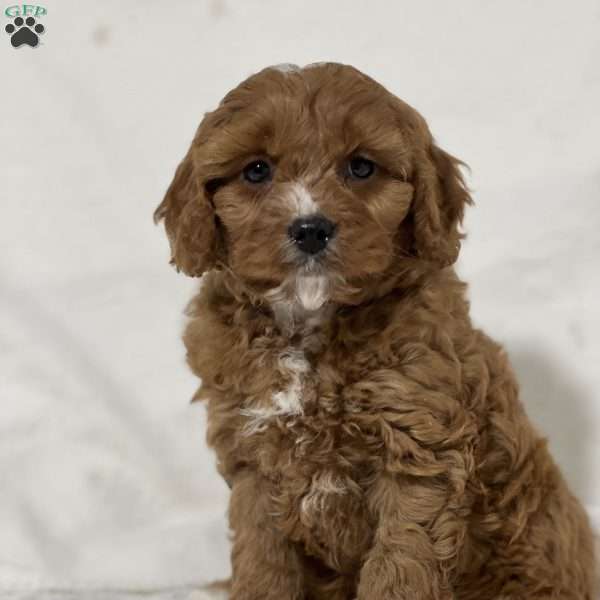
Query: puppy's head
(311, 185)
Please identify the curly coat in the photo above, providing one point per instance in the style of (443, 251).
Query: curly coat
(373, 439)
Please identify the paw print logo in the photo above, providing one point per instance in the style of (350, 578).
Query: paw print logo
(24, 32)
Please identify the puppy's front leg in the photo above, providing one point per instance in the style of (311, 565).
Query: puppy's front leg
(405, 562)
(265, 565)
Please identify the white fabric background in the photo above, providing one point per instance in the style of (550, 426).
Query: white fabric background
(106, 481)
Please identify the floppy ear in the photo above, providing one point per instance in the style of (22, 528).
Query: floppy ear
(189, 221)
(438, 206)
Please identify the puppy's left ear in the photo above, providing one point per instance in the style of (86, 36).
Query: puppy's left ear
(189, 220)
(440, 198)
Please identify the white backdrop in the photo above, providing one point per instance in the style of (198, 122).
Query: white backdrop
(106, 481)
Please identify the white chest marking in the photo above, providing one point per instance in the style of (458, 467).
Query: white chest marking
(286, 402)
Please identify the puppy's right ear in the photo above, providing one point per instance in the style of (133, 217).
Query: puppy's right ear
(189, 221)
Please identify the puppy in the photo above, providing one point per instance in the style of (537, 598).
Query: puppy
(373, 440)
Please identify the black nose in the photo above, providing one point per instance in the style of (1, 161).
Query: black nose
(311, 234)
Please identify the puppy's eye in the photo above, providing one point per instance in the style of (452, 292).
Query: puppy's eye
(257, 171)
(360, 167)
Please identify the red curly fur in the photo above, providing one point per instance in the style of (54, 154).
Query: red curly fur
(374, 441)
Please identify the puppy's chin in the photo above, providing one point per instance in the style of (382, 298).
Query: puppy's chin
(303, 293)
(312, 289)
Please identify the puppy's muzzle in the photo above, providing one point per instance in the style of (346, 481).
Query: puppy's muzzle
(311, 234)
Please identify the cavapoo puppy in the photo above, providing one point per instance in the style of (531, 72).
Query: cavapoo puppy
(373, 439)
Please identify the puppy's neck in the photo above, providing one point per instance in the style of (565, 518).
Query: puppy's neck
(293, 318)
(302, 310)
(306, 329)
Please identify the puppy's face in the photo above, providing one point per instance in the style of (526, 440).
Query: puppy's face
(310, 185)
